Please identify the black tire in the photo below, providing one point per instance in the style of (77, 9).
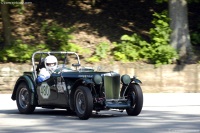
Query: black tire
(23, 99)
(70, 112)
(83, 102)
(136, 97)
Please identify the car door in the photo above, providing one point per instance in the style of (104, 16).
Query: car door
(47, 91)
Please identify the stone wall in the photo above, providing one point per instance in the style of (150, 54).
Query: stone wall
(167, 78)
(9, 73)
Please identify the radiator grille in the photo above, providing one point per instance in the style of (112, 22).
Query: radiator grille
(112, 85)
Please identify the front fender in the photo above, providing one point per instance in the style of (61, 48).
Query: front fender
(135, 80)
(79, 82)
(124, 88)
(31, 86)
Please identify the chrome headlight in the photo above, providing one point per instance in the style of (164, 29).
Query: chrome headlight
(125, 79)
(97, 79)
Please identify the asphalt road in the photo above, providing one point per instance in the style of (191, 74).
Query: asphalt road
(162, 113)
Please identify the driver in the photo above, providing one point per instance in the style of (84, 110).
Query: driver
(51, 64)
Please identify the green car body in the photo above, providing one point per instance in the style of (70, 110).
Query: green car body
(80, 90)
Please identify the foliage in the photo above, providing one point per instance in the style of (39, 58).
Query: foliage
(160, 34)
(1, 39)
(131, 48)
(102, 49)
(161, 1)
(162, 52)
(195, 36)
(18, 52)
(157, 51)
(100, 53)
(189, 1)
(15, 4)
(58, 38)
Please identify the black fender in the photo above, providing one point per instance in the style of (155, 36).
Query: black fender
(79, 82)
(136, 80)
(31, 86)
(124, 88)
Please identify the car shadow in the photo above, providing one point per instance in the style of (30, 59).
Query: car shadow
(102, 114)
(64, 113)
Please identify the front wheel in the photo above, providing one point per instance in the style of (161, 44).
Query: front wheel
(23, 98)
(69, 111)
(83, 102)
(135, 96)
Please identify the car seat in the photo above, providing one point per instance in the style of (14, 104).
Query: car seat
(40, 65)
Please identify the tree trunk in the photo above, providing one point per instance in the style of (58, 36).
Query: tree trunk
(6, 25)
(93, 2)
(22, 5)
(180, 38)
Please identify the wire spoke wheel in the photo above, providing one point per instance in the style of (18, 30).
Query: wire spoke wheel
(80, 100)
(132, 97)
(23, 98)
(135, 96)
(83, 102)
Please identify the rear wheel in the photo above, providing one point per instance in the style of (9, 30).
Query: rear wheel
(135, 96)
(23, 98)
(83, 102)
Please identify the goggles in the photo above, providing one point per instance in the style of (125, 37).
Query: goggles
(50, 64)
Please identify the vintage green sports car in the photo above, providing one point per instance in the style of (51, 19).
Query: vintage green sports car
(78, 89)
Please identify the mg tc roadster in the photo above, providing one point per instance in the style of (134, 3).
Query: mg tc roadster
(78, 89)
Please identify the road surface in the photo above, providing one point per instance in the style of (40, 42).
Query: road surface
(162, 113)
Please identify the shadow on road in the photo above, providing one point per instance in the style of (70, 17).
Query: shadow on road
(106, 121)
(59, 113)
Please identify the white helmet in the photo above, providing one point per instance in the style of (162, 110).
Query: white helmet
(51, 63)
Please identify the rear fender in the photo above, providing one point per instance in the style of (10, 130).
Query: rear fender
(31, 87)
(79, 82)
